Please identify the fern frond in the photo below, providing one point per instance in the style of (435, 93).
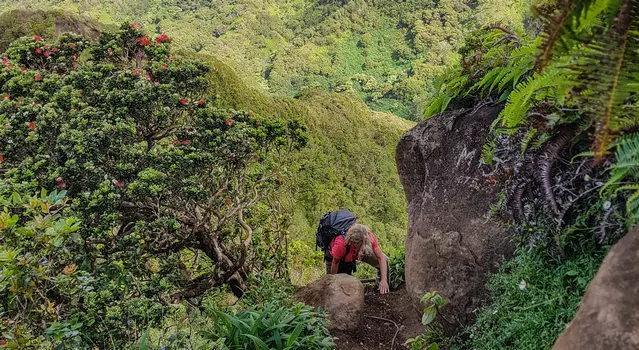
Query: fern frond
(613, 67)
(523, 96)
(627, 163)
(568, 19)
(555, 19)
(488, 152)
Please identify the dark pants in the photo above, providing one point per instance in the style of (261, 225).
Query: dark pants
(344, 267)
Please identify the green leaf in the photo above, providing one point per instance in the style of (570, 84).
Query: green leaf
(259, 343)
(295, 334)
(143, 341)
(429, 315)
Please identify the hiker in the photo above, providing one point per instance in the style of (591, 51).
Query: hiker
(363, 245)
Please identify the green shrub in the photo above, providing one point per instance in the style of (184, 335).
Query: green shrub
(397, 263)
(163, 184)
(40, 283)
(273, 327)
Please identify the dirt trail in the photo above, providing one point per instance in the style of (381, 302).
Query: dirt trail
(376, 333)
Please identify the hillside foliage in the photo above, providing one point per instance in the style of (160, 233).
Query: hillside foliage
(387, 52)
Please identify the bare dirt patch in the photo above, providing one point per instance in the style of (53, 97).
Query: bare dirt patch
(387, 322)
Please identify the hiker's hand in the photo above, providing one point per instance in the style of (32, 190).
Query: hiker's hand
(383, 287)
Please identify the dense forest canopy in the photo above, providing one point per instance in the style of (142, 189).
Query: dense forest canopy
(388, 52)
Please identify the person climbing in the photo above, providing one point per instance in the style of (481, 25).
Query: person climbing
(358, 243)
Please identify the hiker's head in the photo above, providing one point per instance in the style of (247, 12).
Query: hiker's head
(357, 235)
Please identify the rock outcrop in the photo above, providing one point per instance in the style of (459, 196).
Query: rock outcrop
(608, 317)
(451, 244)
(341, 296)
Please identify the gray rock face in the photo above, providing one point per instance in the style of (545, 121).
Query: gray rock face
(451, 246)
(608, 317)
(341, 296)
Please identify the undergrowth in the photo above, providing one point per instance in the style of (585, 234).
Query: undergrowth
(534, 296)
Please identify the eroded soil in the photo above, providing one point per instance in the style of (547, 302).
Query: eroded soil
(387, 322)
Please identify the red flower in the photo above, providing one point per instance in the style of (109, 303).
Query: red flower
(110, 52)
(23, 69)
(119, 184)
(183, 101)
(162, 38)
(257, 123)
(38, 50)
(134, 25)
(37, 38)
(251, 115)
(72, 45)
(37, 78)
(58, 179)
(135, 71)
(228, 122)
(175, 142)
(1, 158)
(147, 76)
(279, 180)
(6, 96)
(31, 126)
(7, 126)
(164, 65)
(185, 142)
(47, 54)
(55, 49)
(171, 58)
(200, 102)
(62, 185)
(143, 40)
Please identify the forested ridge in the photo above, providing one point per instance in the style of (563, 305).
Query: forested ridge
(164, 164)
(388, 52)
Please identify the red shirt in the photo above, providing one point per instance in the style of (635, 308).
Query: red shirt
(338, 248)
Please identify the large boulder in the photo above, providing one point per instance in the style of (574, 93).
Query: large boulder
(451, 245)
(340, 295)
(608, 317)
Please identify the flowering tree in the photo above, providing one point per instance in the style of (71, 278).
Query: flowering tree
(162, 183)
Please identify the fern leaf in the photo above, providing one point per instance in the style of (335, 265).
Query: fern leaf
(487, 152)
(555, 24)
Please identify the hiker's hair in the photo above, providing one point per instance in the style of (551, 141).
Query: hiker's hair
(357, 234)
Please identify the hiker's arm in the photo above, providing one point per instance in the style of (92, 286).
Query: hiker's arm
(334, 266)
(383, 268)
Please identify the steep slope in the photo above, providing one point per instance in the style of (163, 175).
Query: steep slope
(348, 162)
(17, 23)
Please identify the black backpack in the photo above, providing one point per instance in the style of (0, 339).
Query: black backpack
(331, 225)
